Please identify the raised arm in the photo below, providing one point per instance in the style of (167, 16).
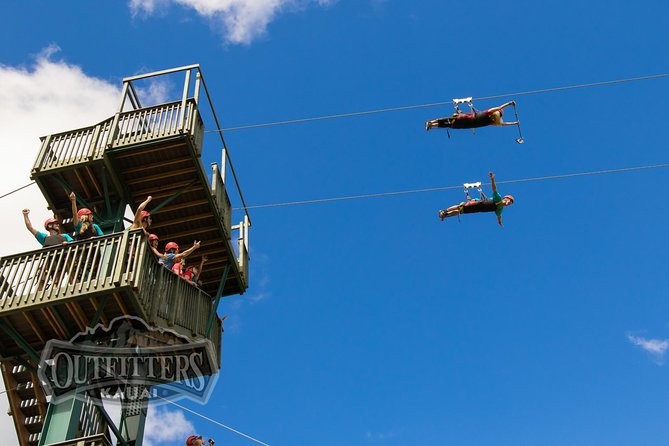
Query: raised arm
(75, 217)
(27, 222)
(138, 214)
(187, 252)
(494, 109)
(492, 182)
(202, 262)
(158, 254)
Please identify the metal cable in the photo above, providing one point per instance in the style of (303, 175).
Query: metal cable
(213, 421)
(433, 189)
(16, 190)
(436, 104)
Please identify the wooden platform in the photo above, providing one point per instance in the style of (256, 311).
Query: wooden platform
(126, 158)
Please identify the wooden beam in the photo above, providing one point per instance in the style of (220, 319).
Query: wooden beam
(161, 176)
(80, 322)
(191, 232)
(185, 205)
(166, 188)
(120, 304)
(54, 322)
(157, 165)
(93, 180)
(178, 221)
(15, 403)
(84, 186)
(130, 152)
(33, 325)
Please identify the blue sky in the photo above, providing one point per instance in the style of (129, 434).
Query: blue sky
(370, 322)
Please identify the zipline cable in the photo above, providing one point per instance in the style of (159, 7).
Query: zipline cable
(436, 104)
(16, 190)
(409, 107)
(434, 189)
(213, 421)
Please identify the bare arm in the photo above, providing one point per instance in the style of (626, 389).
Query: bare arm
(27, 222)
(73, 200)
(187, 252)
(499, 220)
(492, 182)
(137, 223)
(158, 253)
(202, 262)
(494, 109)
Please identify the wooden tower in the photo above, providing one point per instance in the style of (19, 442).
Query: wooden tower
(57, 292)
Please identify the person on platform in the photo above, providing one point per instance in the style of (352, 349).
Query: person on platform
(82, 219)
(142, 218)
(172, 254)
(53, 235)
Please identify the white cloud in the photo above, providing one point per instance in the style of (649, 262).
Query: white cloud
(655, 347)
(164, 426)
(380, 436)
(242, 21)
(48, 97)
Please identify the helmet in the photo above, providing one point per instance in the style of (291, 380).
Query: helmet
(145, 215)
(153, 237)
(171, 245)
(190, 440)
(510, 197)
(501, 112)
(48, 222)
(84, 211)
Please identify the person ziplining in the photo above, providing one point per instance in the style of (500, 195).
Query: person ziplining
(495, 204)
(475, 119)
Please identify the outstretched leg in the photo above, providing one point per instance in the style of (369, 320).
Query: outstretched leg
(441, 123)
(450, 212)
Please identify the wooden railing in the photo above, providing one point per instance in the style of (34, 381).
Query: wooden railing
(73, 147)
(221, 199)
(147, 124)
(136, 126)
(47, 275)
(170, 300)
(243, 249)
(102, 265)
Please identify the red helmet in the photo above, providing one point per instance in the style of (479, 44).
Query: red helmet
(510, 197)
(171, 245)
(145, 215)
(84, 211)
(190, 441)
(153, 237)
(48, 222)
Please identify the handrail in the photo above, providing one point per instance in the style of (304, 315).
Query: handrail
(73, 147)
(221, 198)
(148, 123)
(104, 265)
(200, 79)
(144, 124)
(42, 276)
